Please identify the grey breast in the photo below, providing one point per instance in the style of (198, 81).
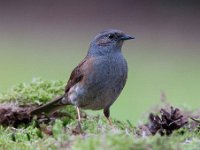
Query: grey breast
(106, 83)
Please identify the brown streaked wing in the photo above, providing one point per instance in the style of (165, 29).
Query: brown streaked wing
(75, 77)
(80, 73)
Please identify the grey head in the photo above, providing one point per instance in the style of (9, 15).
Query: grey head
(108, 41)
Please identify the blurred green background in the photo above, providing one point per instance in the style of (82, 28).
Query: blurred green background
(48, 38)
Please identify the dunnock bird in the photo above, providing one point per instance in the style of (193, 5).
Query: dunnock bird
(98, 80)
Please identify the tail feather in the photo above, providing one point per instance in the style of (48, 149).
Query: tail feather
(50, 107)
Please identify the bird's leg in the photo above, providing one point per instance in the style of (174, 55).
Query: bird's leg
(79, 118)
(106, 112)
(78, 112)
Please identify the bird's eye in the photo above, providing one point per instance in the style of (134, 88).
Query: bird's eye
(111, 36)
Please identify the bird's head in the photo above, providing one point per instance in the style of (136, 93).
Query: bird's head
(108, 41)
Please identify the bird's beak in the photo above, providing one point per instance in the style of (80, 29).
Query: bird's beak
(126, 37)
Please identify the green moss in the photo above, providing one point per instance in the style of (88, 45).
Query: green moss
(98, 134)
(38, 91)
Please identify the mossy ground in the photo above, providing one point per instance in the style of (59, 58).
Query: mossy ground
(97, 133)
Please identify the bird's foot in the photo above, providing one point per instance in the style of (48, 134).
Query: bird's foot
(78, 129)
(109, 121)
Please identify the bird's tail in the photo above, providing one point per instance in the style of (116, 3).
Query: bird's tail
(49, 107)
